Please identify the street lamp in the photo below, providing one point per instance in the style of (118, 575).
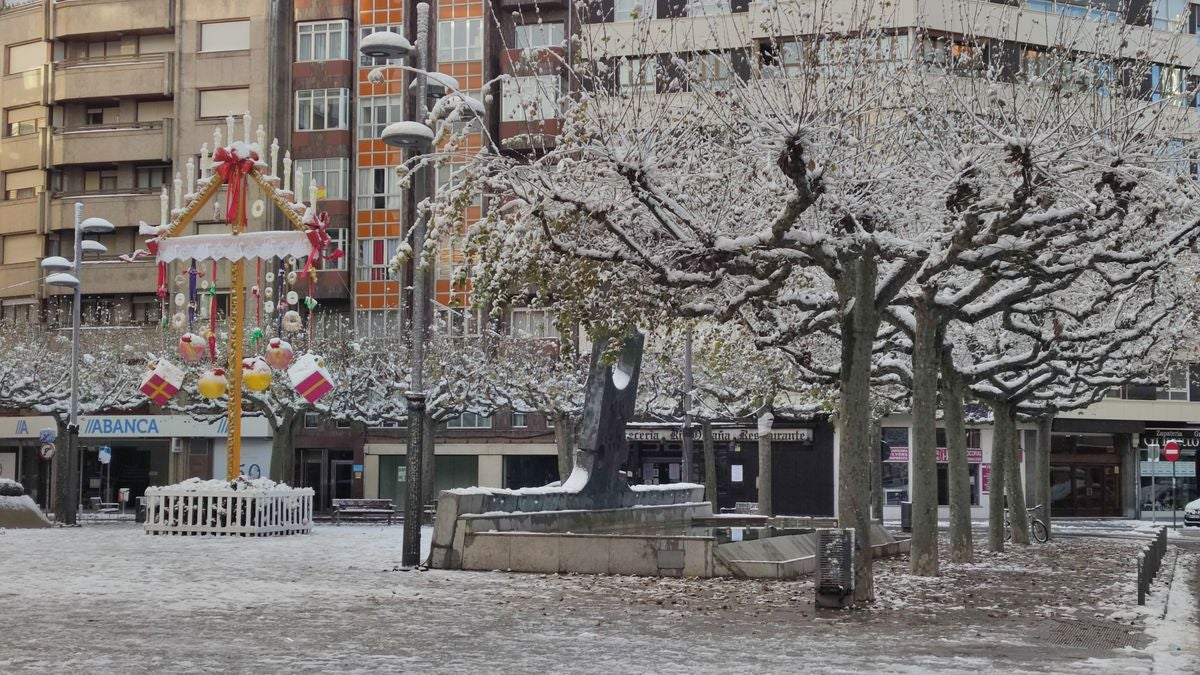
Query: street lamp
(59, 276)
(416, 137)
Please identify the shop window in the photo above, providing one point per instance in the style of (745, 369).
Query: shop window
(943, 477)
(894, 473)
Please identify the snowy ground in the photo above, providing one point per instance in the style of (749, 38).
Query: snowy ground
(108, 598)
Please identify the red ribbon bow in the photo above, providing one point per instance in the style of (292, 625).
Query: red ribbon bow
(318, 236)
(233, 171)
(150, 250)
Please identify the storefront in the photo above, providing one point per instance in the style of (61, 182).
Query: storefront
(1168, 486)
(146, 450)
(802, 464)
(461, 464)
(19, 457)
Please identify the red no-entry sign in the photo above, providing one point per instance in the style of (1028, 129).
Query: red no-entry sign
(1171, 451)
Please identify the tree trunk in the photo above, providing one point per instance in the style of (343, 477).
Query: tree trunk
(1000, 443)
(428, 461)
(925, 358)
(764, 475)
(1045, 425)
(860, 323)
(1014, 487)
(710, 466)
(283, 447)
(962, 548)
(876, 470)
(564, 439)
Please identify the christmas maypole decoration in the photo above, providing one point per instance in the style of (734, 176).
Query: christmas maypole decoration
(237, 165)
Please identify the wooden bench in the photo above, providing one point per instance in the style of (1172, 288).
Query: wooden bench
(374, 509)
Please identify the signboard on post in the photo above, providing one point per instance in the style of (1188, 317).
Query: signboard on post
(105, 454)
(1170, 451)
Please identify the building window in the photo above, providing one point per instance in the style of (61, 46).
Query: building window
(378, 189)
(520, 420)
(100, 180)
(330, 174)
(449, 175)
(152, 178)
(538, 35)
(342, 424)
(320, 109)
(370, 61)
(225, 36)
(532, 323)
(894, 475)
(469, 420)
(375, 113)
(637, 76)
(338, 241)
(629, 10)
(713, 69)
(322, 41)
(146, 310)
(460, 40)
(375, 257)
(707, 7)
(312, 420)
(29, 56)
(22, 121)
(1177, 385)
(530, 98)
(218, 103)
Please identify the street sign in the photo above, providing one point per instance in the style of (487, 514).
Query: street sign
(46, 451)
(48, 435)
(105, 454)
(1171, 451)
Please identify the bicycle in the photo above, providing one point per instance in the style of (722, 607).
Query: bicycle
(1037, 529)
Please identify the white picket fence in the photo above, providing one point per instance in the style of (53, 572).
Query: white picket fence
(247, 512)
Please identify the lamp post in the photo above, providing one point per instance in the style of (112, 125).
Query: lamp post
(58, 267)
(416, 137)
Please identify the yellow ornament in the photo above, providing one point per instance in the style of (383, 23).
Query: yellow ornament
(256, 374)
(213, 383)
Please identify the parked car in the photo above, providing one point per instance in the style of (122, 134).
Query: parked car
(1191, 514)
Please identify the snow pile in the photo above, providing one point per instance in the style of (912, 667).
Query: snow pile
(197, 485)
(17, 509)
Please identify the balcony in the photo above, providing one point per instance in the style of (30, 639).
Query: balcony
(531, 4)
(19, 279)
(109, 277)
(22, 216)
(82, 17)
(112, 143)
(113, 77)
(24, 151)
(25, 87)
(123, 209)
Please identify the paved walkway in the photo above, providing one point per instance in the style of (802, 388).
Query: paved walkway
(108, 598)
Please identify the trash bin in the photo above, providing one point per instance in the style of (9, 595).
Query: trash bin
(906, 516)
(139, 516)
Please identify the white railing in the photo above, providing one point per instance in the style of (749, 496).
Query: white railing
(246, 511)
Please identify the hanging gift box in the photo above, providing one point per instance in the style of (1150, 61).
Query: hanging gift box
(310, 378)
(161, 383)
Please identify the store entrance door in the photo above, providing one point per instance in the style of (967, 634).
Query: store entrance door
(343, 478)
(1084, 490)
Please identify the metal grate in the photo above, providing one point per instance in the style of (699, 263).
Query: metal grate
(1089, 634)
(835, 559)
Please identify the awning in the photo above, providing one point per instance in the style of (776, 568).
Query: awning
(244, 246)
